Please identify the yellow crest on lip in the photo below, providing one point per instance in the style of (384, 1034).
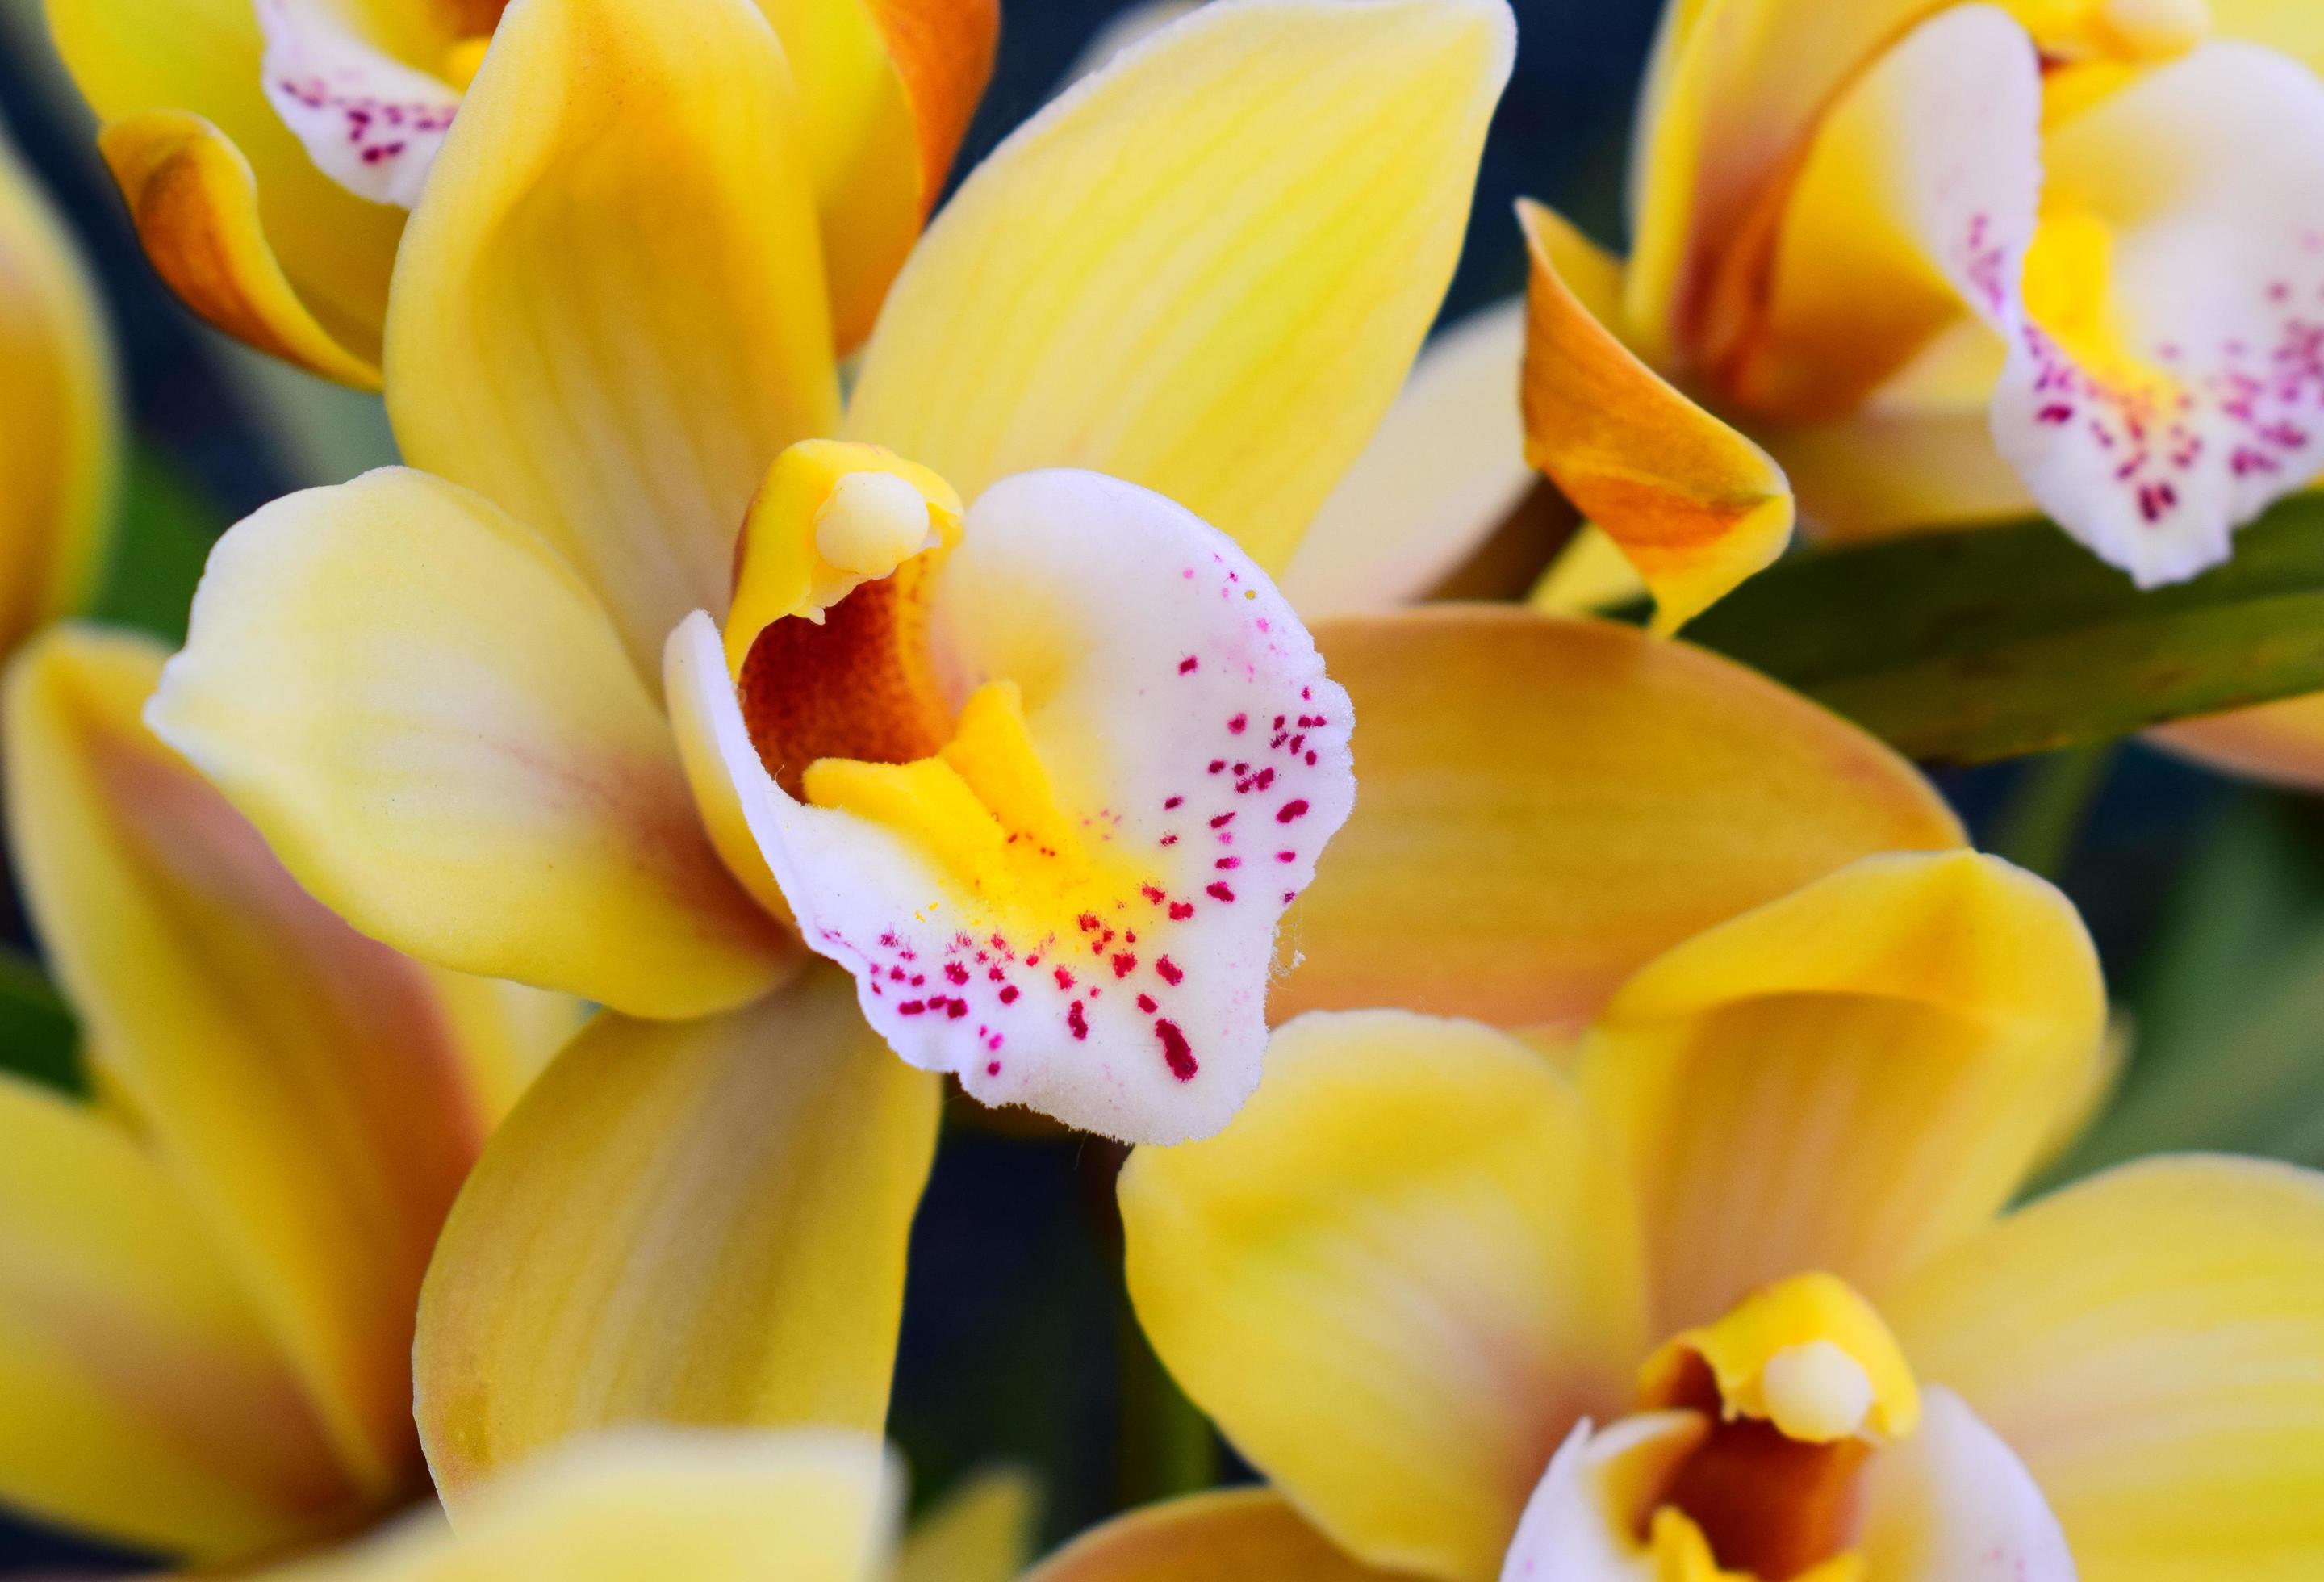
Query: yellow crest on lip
(830, 516)
(1806, 1354)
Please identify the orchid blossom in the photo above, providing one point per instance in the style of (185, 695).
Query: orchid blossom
(273, 151)
(59, 451)
(1041, 771)
(1724, 1288)
(207, 1276)
(1935, 262)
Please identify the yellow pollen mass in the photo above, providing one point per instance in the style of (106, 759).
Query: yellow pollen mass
(1815, 1393)
(1807, 1354)
(872, 524)
(830, 516)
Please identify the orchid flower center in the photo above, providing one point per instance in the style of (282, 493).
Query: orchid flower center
(1799, 1384)
(826, 640)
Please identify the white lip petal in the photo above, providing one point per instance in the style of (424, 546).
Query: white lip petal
(369, 122)
(1954, 1504)
(1183, 717)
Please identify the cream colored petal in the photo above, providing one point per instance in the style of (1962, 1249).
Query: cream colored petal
(146, 1402)
(655, 1505)
(1954, 1501)
(1446, 465)
(1206, 268)
(434, 722)
(1395, 1282)
(692, 1223)
(304, 1087)
(1228, 1535)
(610, 313)
(2147, 1343)
(1551, 803)
(1847, 1079)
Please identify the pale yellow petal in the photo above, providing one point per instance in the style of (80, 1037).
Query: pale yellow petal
(2146, 1342)
(1551, 803)
(1446, 467)
(435, 724)
(194, 201)
(655, 1505)
(1396, 1281)
(983, 1531)
(303, 1085)
(1229, 1535)
(1695, 506)
(2282, 744)
(59, 449)
(609, 314)
(146, 1401)
(1205, 268)
(695, 1223)
(2296, 27)
(1846, 1080)
(203, 57)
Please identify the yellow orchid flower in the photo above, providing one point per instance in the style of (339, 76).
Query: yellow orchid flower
(1725, 1289)
(59, 449)
(705, 1221)
(207, 1276)
(270, 151)
(1042, 772)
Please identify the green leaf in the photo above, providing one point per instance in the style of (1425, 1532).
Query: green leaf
(38, 1036)
(1966, 647)
(2229, 1012)
(165, 535)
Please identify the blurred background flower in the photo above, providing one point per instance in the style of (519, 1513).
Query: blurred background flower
(2205, 896)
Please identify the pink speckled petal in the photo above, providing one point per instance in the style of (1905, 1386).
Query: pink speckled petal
(1184, 721)
(2192, 394)
(1584, 1521)
(369, 122)
(2211, 173)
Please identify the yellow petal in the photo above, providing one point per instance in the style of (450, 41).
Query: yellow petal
(195, 203)
(2146, 1342)
(146, 1401)
(699, 1223)
(1695, 505)
(1848, 1079)
(1232, 1535)
(2282, 744)
(304, 1083)
(983, 1531)
(434, 722)
(653, 1505)
(58, 446)
(1396, 1281)
(202, 57)
(1734, 92)
(1446, 467)
(2292, 26)
(609, 314)
(1206, 268)
(885, 89)
(1551, 803)
(508, 1032)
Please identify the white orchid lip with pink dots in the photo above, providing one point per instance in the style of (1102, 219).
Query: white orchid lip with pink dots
(1045, 789)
